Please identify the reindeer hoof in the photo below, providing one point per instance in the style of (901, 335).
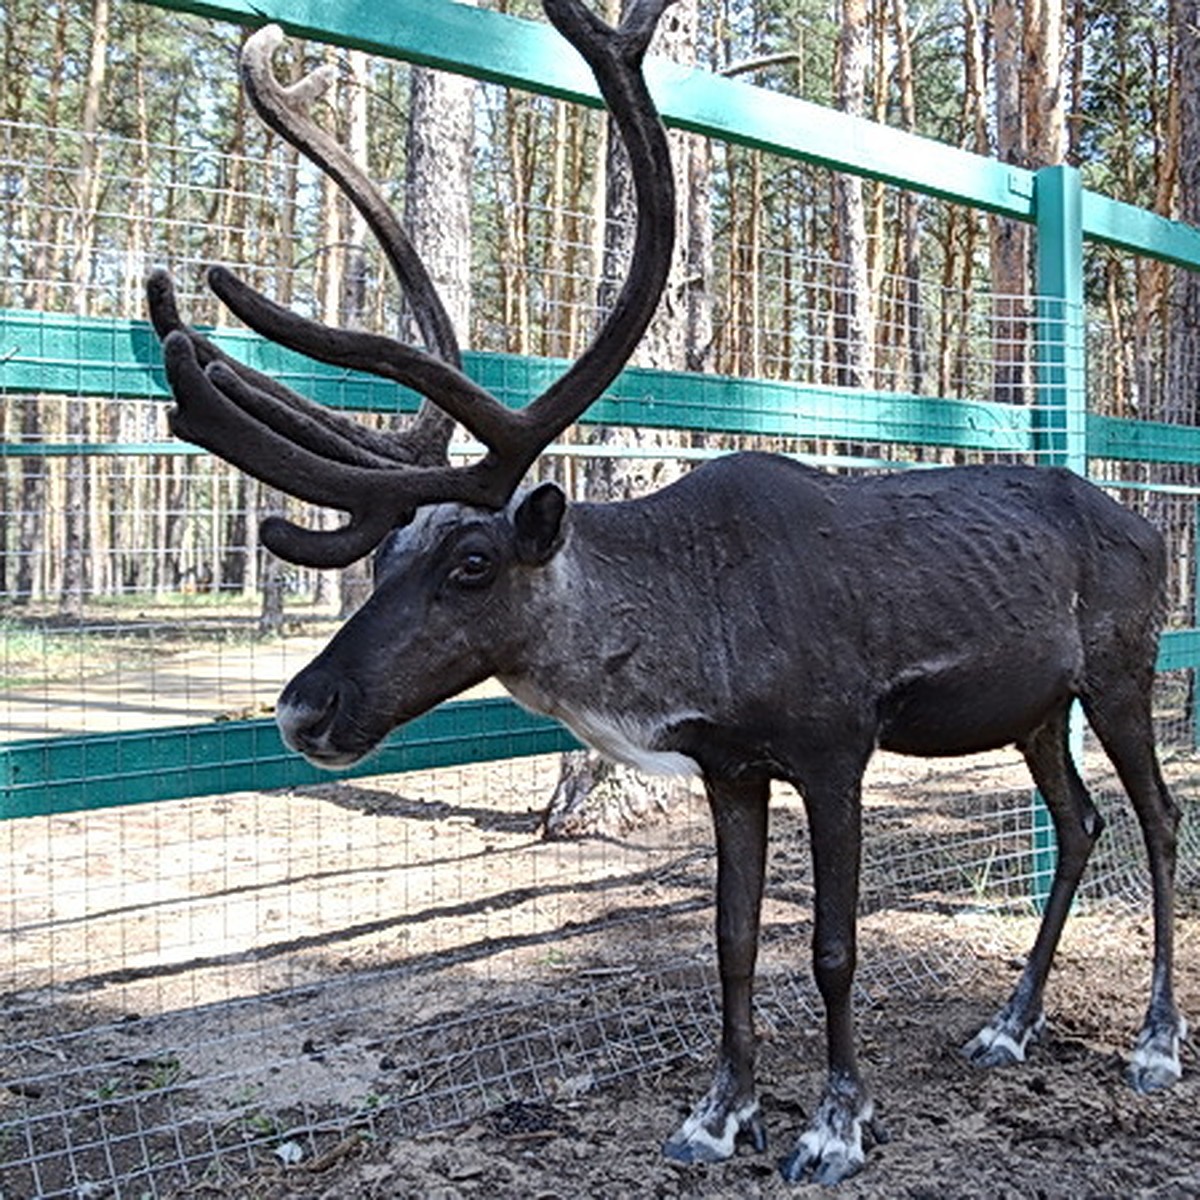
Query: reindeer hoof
(831, 1148)
(708, 1137)
(826, 1167)
(692, 1152)
(1155, 1062)
(1154, 1077)
(799, 1167)
(1002, 1042)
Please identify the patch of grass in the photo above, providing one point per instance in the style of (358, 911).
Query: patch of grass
(33, 654)
(39, 647)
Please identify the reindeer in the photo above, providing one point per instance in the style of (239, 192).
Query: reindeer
(757, 620)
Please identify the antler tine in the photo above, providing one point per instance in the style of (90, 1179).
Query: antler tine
(287, 111)
(615, 58)
(227, 429)
(453, 392)
(328, 432)
(219, 410)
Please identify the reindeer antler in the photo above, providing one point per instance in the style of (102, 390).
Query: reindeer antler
(378, 478)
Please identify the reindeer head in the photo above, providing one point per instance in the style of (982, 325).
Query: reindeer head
(428, 588)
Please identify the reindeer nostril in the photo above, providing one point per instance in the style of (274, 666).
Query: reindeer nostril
(322, 718)
(307, 710)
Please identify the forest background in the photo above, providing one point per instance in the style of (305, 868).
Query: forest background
(126, 142)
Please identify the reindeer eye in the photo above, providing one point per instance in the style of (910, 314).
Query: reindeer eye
(473, 569)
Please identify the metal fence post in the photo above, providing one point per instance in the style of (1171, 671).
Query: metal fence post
(1194, 672)
(1060, 412)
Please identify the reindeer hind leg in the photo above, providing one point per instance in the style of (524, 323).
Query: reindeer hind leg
(1121, 719)
(1077, 825)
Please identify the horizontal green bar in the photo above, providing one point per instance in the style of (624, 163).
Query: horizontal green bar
(1179, 650)
(70, 774)
(1130, 440)
(777, 408)
(93, 449)
(52, 353)
(1127, 227)
(63, 354)
(46, 353)
(532, 56)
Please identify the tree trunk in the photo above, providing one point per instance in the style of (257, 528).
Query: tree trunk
(910, 212)
(1075, 117)
(1009, 239)
(1152, 286)
(437, 210)
(1178, 404)
(346, 293)
(261, 570)
(698, 338)
(47, 242)
(593, 794)
(1042, 82)
(78, 499)
(854, 334)
(90, 177)
(514, 255)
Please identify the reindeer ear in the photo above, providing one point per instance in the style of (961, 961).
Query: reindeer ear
(538, 522)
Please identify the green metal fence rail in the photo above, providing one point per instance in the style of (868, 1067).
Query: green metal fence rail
(60, 354)
(70, 774)
(46, 353)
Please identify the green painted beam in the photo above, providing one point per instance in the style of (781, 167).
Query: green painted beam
(1127, 227)
(51, 353)
(1060, 411)
(1179, 650)
(1129, 440)
(532, 56)
(777, 408)
(64, 354)
(70, 774)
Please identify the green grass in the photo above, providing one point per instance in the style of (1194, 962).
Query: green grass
(32, 654)
(38, 646)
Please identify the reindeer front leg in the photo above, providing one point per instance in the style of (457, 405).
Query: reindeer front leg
(729, 1110)
(831, 1148)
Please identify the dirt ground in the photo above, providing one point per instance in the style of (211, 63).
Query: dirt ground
(169, 962)
(1062, 1125)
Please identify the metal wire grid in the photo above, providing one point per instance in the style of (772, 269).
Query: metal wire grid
(775, 307)
(124, 924)
(146, 1084)
(128, 1115)
(266, 1032)
(160, 202)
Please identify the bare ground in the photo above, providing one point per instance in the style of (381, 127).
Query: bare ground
(254, 996)
(1062, 1125)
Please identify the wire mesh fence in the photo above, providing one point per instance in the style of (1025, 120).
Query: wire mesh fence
(195, 985)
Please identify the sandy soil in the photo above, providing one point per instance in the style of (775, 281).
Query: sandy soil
(1062, 1125)
(273, 995)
